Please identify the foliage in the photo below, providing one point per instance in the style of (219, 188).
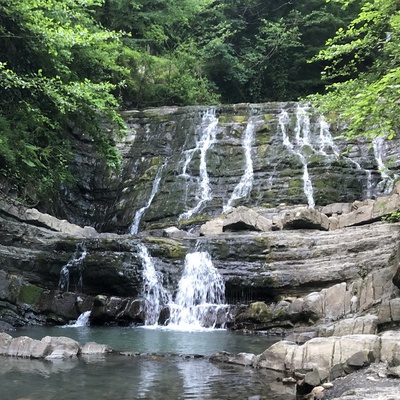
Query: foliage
(363, 71)
(393, 217)
(58, 72)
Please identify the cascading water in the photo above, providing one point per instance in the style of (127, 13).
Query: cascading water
(200, 300)
(139, 213)
(243, 188)
(72, 272)
(302, 132)
(207, 132)
(83, 320)
(387, 182)
(155, 295)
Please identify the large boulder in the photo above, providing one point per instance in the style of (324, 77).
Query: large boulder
(243, 218)
(305, 218)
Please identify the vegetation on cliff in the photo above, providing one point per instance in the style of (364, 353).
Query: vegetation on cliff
(363, 70)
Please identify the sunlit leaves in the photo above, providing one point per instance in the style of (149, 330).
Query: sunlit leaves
(365, 57)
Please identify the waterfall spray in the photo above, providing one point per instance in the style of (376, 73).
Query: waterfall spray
(200, 300)
(155, 296)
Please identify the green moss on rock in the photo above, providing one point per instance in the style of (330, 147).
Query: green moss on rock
(29, 293)
(168, 247)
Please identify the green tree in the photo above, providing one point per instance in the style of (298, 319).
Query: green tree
(59, 72)
(363, 71)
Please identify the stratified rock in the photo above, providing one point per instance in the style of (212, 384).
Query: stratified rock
(117, 311)
(243, 218)
(318, 353)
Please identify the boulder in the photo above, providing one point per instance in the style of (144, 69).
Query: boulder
(243, 218)
(213, 227)
(61, 347)
(305, 218)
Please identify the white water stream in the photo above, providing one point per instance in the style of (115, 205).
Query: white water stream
(139, 213)
(207, 132)
(155, 295)
(200, 299)
(72, 271)
(302, 139)
(245, 185)
(387, 182)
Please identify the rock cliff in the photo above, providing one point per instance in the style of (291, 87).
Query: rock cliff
(290, 215)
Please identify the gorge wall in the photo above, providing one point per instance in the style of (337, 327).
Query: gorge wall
(305, 247)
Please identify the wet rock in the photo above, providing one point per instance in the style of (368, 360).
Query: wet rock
(95, 348)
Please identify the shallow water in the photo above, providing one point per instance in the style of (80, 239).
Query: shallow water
(166, 375)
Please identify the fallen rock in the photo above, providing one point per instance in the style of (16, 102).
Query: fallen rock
(243, 218)
(305, 218)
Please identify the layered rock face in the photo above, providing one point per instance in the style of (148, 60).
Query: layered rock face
(193, 162)
(249, 166)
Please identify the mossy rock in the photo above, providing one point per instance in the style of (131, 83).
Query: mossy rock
(150, 173)
(240, 118)
(29, 294)
(259, 311)
(168, 247)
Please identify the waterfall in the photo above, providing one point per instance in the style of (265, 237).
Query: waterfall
(200, 299)
(83, 320)
(139, 213)
(155, 295)
(207, 132)
(73, 270)
(302, 132)
(387, 182)
(243, 188)
(326, 139)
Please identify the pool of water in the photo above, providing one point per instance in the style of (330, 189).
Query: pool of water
(161, 372)
(158, 340)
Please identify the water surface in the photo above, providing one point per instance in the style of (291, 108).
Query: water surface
(163, 371)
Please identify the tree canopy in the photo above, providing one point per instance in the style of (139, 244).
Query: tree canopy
(363, 70)
(59, 69)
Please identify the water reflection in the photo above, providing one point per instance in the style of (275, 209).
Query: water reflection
(125, 378)
(161, 372)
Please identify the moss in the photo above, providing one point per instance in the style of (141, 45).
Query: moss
(240, 118)
(156, 161)
(259, 311)
(168, 247)
(269, 117)
(200, 219)
(29, 293)
(149, 174)
(222, 119)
